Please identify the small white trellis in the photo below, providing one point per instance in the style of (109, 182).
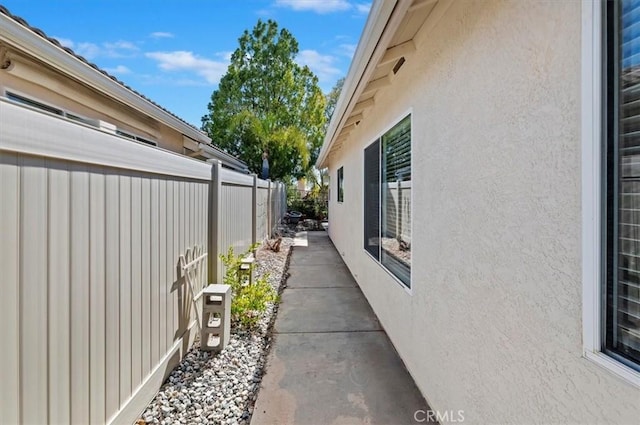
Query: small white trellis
(192, 265)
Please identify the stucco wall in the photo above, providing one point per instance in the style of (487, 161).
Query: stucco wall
(493, 325)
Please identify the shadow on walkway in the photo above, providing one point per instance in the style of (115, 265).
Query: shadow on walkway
(331, 362)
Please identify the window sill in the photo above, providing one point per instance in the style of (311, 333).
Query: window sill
(393, 276)
(622, 371)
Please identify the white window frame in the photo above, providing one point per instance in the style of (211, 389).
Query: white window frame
(340, 184)
(133, 136)
(592, 194)
(68, 115)
(386, 129)
(73, 117)
(8, 93)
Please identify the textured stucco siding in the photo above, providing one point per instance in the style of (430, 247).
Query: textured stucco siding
(493, 324)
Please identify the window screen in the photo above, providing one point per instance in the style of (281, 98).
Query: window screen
(372, 199)
(387, 200)
(341, 184)
(622, 166)
(396, 200)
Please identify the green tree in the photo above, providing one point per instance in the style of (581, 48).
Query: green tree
(267, 102)
(320, 177)
(332, 99)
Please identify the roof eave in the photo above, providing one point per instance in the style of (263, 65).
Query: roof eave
(378, 17)
(211, 152)
(383, 22)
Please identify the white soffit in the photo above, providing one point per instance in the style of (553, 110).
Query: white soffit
(388, 36)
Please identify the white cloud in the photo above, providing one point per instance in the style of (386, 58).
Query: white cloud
(363, 8)
(318, 6)
(120, 69)
(120, 45)
(65, 42)
(88, 50)
(348, 49)
(225, 56)
(161, 34)
(324, 6)
(117, 49)
(165, 80)
(182, 60)
(321, 65)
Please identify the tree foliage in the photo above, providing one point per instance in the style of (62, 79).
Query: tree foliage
(332, 99)
(267, 102)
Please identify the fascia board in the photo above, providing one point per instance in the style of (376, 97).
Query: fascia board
(379, 25)
(378, 16)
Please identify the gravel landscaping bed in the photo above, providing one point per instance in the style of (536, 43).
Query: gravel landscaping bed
(392, 246)
(222, 388)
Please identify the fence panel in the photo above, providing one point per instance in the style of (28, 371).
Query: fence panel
(94, 307)
(59, 286)
(274, 207)
(278, 204)
(10, 299)
(398, 210)
(262, 213)
(283, 200)
(89, 269)
(236, 210)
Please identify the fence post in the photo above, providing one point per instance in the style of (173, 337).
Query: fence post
(269, 212)
(254, 210)
(283, 200)
(215, 192)
(280, 207)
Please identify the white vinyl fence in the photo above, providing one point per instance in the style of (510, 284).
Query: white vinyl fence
(398, 213)
(278, 203)
(94, 308)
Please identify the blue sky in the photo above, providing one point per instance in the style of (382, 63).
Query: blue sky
(175, 52)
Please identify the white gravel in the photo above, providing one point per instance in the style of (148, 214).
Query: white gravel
(221, 388)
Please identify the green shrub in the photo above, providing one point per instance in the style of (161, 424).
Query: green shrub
(248, 301)
(312, 205)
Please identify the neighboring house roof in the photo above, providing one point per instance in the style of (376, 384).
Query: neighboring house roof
(387, 41)
(33, 41)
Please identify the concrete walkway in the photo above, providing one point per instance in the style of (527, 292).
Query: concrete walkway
(331, 362)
